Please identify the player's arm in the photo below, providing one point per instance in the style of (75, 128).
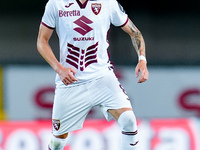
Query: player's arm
(66, 74)
(139, 45)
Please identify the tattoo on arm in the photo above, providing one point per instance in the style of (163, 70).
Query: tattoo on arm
(137, 39)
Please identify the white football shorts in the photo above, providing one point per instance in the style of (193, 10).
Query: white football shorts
(72, 104)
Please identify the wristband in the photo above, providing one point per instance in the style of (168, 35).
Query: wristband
(142, 57)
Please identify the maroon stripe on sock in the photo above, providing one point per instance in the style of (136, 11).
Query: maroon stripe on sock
(130, 133)
(134, 144)
(49, 148)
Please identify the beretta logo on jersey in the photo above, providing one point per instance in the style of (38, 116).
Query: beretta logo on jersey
(96, 8)
(69, 13)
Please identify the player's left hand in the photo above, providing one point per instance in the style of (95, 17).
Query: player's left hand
(142, 69)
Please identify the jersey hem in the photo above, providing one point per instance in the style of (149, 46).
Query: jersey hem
(47, 26)
(56, 133)
(124, 23)
(100, 75)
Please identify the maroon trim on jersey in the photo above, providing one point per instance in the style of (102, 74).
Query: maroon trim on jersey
(93, 46)
(73, 47)
(73, 52)
(91, 52)
(111, 63)
(47, 26)
(90, 57)
(90, 62)
(108, 32)
(72, 63)
(82, 6)
(73, 58)
(124, 23)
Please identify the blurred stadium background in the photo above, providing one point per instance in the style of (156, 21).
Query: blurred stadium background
(167, 105)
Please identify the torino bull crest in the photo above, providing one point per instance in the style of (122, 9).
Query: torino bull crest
(96, 8)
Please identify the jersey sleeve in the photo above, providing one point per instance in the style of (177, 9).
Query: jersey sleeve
(118, 16)
(49, 16)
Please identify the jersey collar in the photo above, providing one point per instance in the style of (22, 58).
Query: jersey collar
(82, 6)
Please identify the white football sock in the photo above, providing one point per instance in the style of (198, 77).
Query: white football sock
(127, 122)
(57, 143)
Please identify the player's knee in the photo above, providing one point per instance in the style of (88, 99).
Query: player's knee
(63, 136)
(127, 122)
(58, 142)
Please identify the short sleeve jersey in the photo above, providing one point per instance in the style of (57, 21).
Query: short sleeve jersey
(82, 30)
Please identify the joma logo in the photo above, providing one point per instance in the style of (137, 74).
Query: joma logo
(83, 28)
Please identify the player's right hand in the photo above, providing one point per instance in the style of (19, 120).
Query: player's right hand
(142, 68)
(67, 75)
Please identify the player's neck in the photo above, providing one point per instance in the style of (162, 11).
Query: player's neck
(82, 1)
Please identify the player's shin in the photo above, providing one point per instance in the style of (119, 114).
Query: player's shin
(127, 122)
(57, 143)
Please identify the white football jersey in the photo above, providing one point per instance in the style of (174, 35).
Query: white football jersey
(82, 30)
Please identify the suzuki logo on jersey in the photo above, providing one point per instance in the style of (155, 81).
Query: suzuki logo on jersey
(81, 58)
(96, 8)
(83, 28)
